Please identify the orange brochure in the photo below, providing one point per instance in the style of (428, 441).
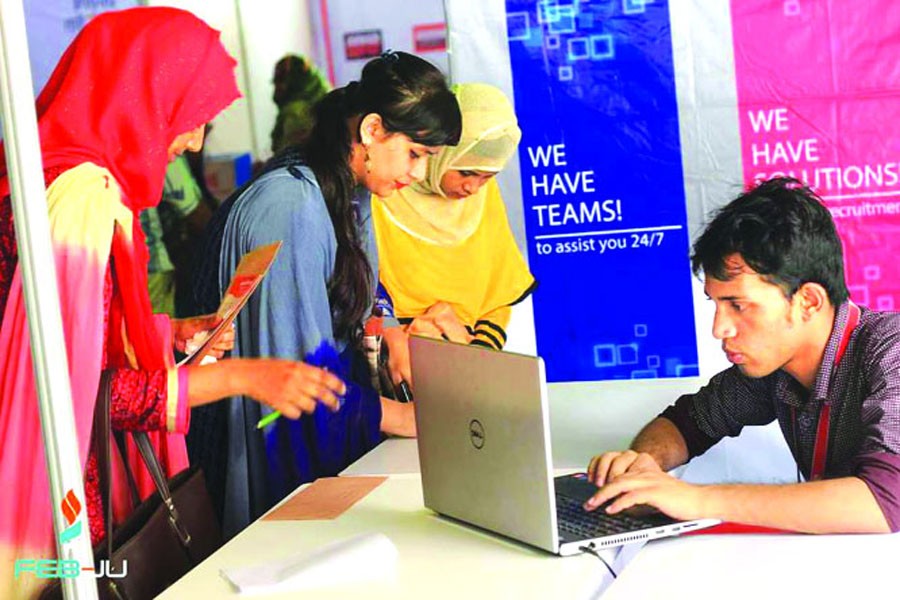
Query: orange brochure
(250, 271)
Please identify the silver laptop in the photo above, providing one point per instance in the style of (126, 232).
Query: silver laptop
(484, 450)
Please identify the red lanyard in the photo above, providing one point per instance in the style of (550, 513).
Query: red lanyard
(820, 450)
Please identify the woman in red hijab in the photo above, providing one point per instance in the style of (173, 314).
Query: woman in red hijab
(132, 91)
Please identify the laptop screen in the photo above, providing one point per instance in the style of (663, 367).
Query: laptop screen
(484, 438)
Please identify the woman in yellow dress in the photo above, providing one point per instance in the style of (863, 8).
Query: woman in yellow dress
(450, 266)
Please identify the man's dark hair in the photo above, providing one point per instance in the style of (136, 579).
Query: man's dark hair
(782, 231)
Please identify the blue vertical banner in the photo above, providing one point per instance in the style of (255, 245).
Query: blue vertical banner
(603, 188)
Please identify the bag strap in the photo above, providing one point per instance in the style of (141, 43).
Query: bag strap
(102, 434)
(162, 486)
(101, 442)
(119, 436)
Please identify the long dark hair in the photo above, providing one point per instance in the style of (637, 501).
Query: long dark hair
(412, 98)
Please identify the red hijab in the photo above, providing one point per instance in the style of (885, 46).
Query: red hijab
(127, 85)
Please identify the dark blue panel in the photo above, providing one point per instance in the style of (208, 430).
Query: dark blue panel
(605, 214)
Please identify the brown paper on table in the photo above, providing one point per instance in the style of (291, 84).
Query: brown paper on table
(325, 498)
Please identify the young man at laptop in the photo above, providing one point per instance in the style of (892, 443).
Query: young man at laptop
(804, 354)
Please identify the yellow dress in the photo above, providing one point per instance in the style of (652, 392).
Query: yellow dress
(480, 277)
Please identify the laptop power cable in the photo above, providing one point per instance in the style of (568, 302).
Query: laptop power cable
(590, 550)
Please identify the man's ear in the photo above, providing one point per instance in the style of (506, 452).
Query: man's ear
(812, 298)
(371, 129)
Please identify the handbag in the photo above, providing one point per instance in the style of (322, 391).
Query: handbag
(165, 536)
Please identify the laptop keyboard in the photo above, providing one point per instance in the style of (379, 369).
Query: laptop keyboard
(578, 523)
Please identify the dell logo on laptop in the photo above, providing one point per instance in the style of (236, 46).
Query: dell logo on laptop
(476, 433)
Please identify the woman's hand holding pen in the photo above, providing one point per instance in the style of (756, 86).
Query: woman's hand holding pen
(291, 387)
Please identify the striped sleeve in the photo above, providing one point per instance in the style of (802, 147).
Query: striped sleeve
(489, 331)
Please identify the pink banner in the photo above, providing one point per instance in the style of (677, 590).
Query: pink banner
(819, 99)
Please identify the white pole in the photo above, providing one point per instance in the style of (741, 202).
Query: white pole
(248, 83)
(48, 348)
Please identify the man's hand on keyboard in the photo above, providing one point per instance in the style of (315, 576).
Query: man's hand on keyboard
(670, 495)
(606, 467)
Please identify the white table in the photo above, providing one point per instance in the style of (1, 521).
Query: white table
(763, 567)
(438, 558)
(396, 456)
(443, 559)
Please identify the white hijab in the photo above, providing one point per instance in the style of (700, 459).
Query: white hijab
(490, 135)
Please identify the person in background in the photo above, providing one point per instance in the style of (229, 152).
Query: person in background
(197, 164)
(298, 86)
(450, 266)
(183, 226)
(805, 355)
(109, 124)
(371, 136)
(160, 270)
(182, 213)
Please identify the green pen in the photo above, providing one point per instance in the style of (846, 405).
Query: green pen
(269, 418)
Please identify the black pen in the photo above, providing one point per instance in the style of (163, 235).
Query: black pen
(403, 393)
